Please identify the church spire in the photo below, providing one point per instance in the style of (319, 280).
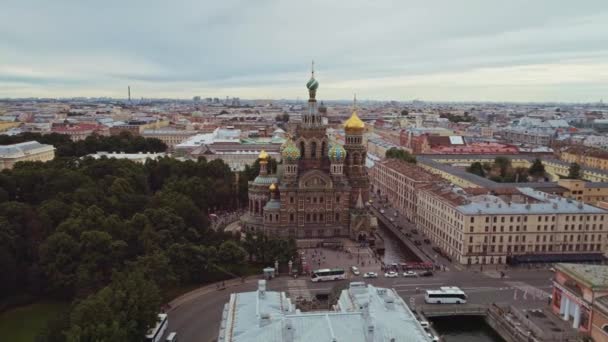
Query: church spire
(359, 204)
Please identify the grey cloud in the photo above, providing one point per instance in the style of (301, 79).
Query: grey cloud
(250, 43)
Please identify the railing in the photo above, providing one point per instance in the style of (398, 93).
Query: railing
(438, 310)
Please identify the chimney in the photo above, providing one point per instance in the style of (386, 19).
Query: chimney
(262, 288)
(264, 319)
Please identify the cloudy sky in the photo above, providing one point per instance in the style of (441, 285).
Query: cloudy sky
(553, 50)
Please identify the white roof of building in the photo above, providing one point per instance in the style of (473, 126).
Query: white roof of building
(23, 149)
(365, 314)
(544, 204)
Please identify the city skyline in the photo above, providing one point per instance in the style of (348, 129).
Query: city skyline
(513, 52)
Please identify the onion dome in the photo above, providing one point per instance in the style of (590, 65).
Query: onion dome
(263, 156)
(336, 153)
(290, 151)
(312, 84)
(272, 187)
(354, 124)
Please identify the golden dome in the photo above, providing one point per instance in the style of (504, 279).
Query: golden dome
(272, 187)
(263, 156)
(354, 123)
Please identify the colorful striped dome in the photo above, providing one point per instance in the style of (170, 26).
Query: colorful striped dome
(337, 153)
(290, 152)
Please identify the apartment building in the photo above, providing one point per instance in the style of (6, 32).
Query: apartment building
(399, 182)
(586, 156)
(524, 226)
(592, 193)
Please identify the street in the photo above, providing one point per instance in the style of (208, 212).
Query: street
(196, 316)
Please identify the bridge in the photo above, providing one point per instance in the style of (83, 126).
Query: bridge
(443, 310)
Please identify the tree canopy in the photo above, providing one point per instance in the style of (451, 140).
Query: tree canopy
(574, 171)
(397, 153)
(113, 235)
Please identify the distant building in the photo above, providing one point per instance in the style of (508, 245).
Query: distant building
(170, 137)
(589, 192)
(80, 131)
(26, 151)
(140, 157)
(586, 156)
(364, 313)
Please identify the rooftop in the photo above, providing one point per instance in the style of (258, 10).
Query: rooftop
(363, 314)
(595, 276)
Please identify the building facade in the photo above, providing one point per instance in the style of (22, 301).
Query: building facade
(320, 189)
(524, 226)
(399, 182)
(580, 296)
(586, 156)
(25, 151)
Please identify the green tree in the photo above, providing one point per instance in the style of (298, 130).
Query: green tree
(503, 164)
(537, 169)
(230, 252)
(477, 169)
(397, 153)
(122, 311)
(574, 171)
(60, 255)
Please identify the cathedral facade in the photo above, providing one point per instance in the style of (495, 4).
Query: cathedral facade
(320, 186)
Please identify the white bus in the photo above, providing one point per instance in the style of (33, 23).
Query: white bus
(156, 334)
(446, 295)
(328, 274)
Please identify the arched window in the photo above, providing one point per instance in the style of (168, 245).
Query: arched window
(313, 149)
(302, 149)
(323, 148)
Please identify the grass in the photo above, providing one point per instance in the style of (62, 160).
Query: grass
(22, 324)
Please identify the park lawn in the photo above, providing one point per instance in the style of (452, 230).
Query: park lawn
(22, 324)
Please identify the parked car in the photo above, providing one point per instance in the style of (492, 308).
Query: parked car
(355, 270)
(415, 231)
(438, 250)
(392, 219)
(427, 241)
(408, 235)
(433, 337)
(381, 211)
(425, 324)
(391, 274)
(417, 243)
(396, 214)
(409, 274)
(426, 274)
(370, 275)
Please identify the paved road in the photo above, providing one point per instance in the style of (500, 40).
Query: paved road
(196, 316)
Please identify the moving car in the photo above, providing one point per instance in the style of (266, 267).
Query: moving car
(409, 274)
(425, 324)
(370, 275)
(426, 274)
(391, 274)
(355, 270)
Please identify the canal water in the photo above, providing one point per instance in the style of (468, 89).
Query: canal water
(465, 329)
(394, 250)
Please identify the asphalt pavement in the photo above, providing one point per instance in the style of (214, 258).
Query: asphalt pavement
(196, 316)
